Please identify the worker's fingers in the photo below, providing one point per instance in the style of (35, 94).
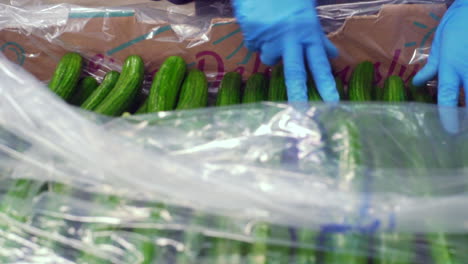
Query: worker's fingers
(294, 70)
(429, 71)
(449, 119)
(449, 116)
(271, 53)
(449, 86)
(330, 48)
(322, 73)
(250, 45)
(465, 87)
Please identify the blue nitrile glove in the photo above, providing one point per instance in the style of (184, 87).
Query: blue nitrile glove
(449, 55)
(289, 30)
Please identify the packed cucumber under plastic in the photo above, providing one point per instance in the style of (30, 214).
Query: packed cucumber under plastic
(346, 247)
(337, 248)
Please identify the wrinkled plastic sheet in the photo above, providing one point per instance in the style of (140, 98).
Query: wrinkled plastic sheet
(253, 183)
(333, 14)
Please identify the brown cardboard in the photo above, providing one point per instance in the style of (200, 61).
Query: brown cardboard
(222, 52)
(388, 39)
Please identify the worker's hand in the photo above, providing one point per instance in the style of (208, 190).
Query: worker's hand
(449, 55)
(290, 30)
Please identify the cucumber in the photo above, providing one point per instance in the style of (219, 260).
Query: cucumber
(306, 255)
(66, 75)
(277, 91)
(145, 248)
(312, 91)
(255, 89)
(346, 147)
(340, 89)
(121, 96)
(441, 250)
(143, 108)
(343, 132)
(378, 93)
(394, 90)
(101, 91)
(460, 246)
(194, 92)
(361, 83)
(87, 257)
(85, 88)
(193, 240)
(229, 90)
(314, 94)
(419, 94)
(20, 192)
(279, 254)
(395, 248)
(225, 251)
(166, 85)
(418, 156)
(258, 252)
(261, 252)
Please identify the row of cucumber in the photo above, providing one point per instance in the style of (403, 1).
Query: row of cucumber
(175, 88)
(172, 88)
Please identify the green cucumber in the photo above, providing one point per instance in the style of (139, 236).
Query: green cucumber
(441, 250)
(146, 248)
(143, 108)
(194, 91)
(277, 91)
(340, 88)
(346, 147)
(314, 95)
(20, 192)
(395, 248)
(460, 247)
(166, 85)
(391, 247)
(85, 88)
(66, 75)
(258, 252)
(87, 257)
(225, 251)
(279, 254)
(230, 89)
(306, 255)
(312, 91)
(121, 96)
(193, 240)
(419, 94)
(343, 247)
(378, 93)
(361, 83)
(255, 89)
(415, 154)
(394, 90)
(101, 91)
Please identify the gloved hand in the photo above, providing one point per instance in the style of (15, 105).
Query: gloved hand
(289, 30)
(449, 55)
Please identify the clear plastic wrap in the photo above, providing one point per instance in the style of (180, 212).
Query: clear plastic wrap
(231, 179)
(259, 183)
